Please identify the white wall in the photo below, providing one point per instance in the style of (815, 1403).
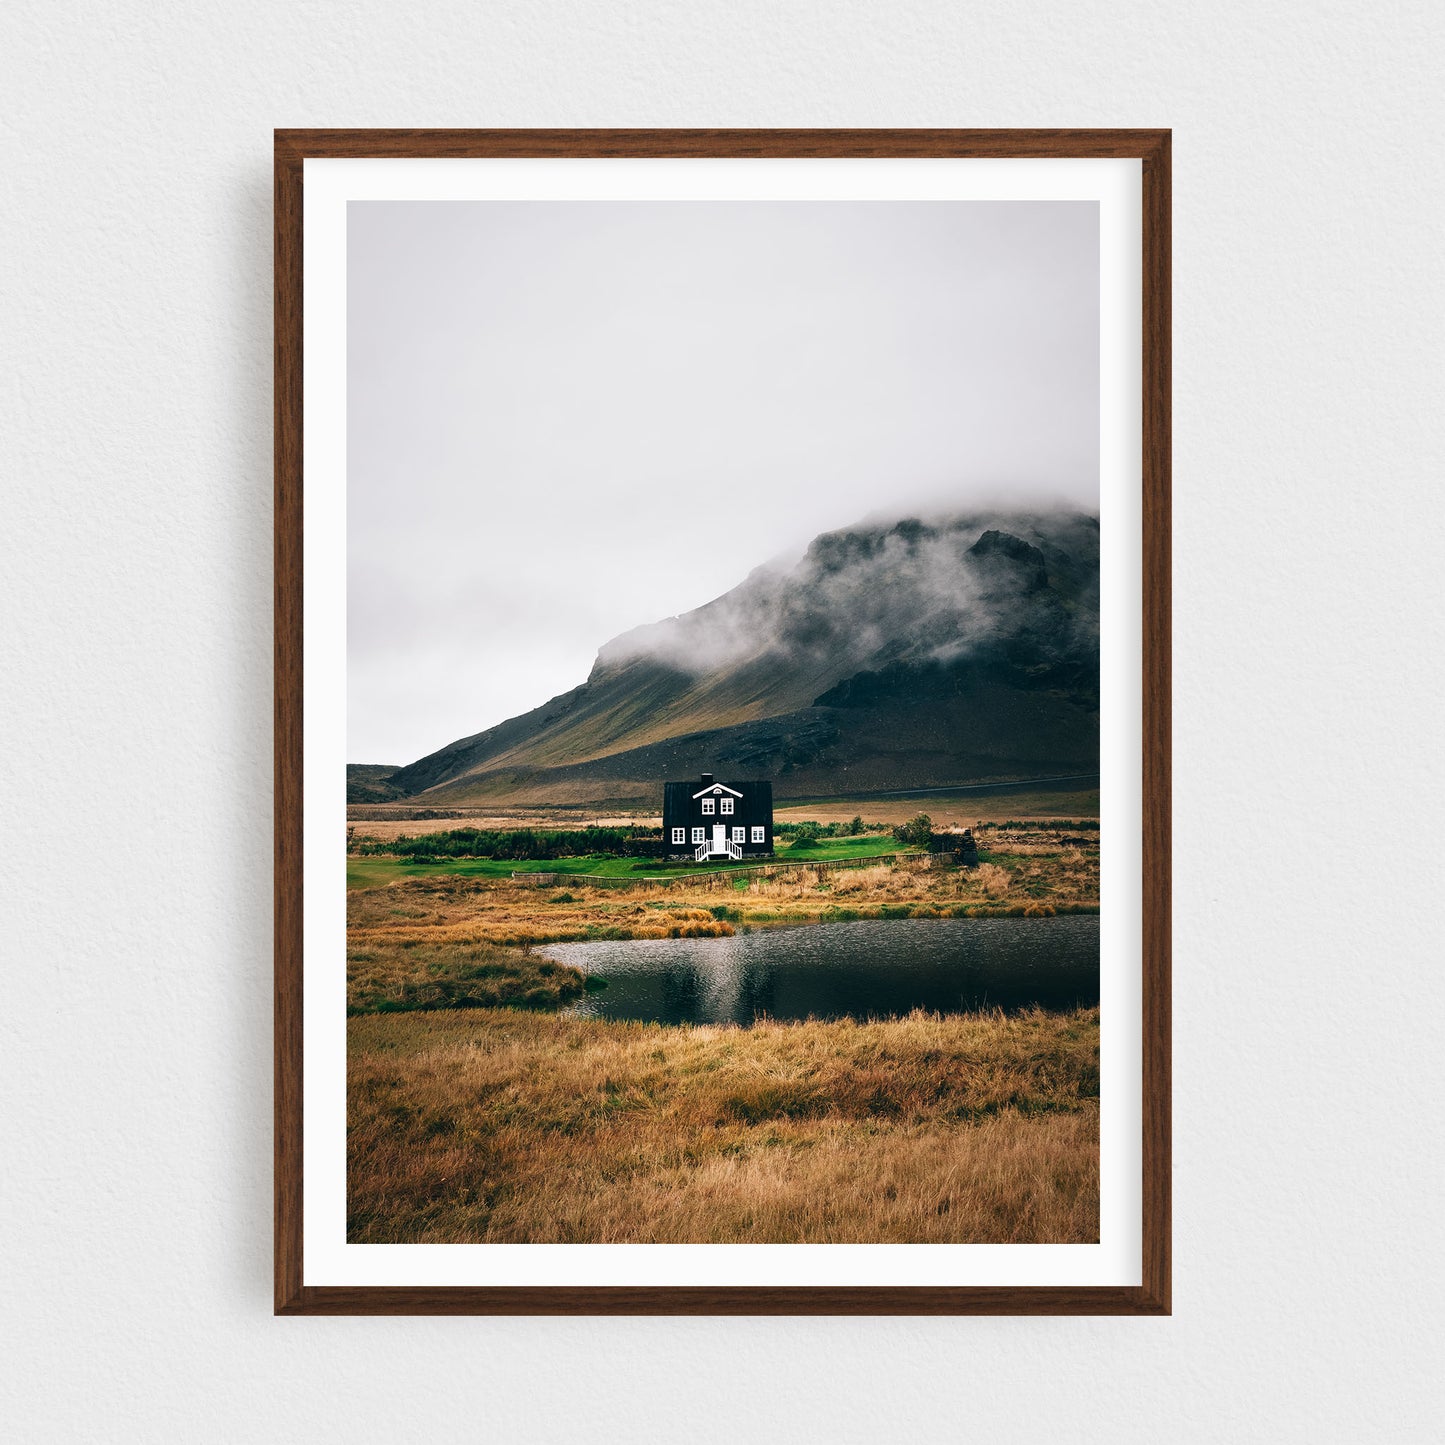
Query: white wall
(136, 759)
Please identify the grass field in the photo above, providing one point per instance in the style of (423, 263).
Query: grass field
(501, 1126)
(450, 907)
(399, 975)
(474, 1122)
(377, 872)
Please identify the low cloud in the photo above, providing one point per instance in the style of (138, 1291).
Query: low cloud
(914, 589)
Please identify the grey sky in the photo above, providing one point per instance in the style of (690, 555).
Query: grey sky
(544, 397)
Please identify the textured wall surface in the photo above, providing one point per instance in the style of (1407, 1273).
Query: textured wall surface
(135, 759)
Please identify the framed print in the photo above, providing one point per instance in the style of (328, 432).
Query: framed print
(722, 722)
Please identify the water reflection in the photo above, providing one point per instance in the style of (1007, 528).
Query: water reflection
(870, 969)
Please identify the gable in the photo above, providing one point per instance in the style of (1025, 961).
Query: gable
(715, 790)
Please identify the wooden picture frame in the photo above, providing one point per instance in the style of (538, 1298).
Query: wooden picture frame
(1151, 1296)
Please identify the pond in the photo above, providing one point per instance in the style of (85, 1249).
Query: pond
(877, 968)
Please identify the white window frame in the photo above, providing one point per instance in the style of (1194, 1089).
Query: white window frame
(740, 834)
(760, 834)
(699, 835)
(679, 835)
(726, 806)
(709, 805)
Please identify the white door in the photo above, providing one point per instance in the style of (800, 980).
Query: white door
(719, 838)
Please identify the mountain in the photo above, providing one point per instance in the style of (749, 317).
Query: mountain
(910, 654)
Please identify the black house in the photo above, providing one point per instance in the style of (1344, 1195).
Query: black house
(709, 819)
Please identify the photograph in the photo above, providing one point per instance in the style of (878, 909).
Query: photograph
(723, 816)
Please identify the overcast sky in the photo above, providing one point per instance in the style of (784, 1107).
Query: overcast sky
(545, 397)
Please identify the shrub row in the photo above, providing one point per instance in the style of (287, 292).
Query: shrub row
(513, 843)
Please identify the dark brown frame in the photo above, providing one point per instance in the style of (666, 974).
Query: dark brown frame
(1152, 1297)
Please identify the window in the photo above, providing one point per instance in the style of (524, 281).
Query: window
(740, 835)
(699, 835)
(727, 805)
(709, 805)
(759, 835)
(679, 835)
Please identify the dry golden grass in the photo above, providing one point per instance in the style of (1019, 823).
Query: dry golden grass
(476, 912)
(497, 1126)
(385, 821)
(388, 975)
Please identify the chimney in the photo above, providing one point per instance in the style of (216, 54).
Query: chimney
(707, 780)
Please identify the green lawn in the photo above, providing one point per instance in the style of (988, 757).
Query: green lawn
(378, 872)
(870, 845)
